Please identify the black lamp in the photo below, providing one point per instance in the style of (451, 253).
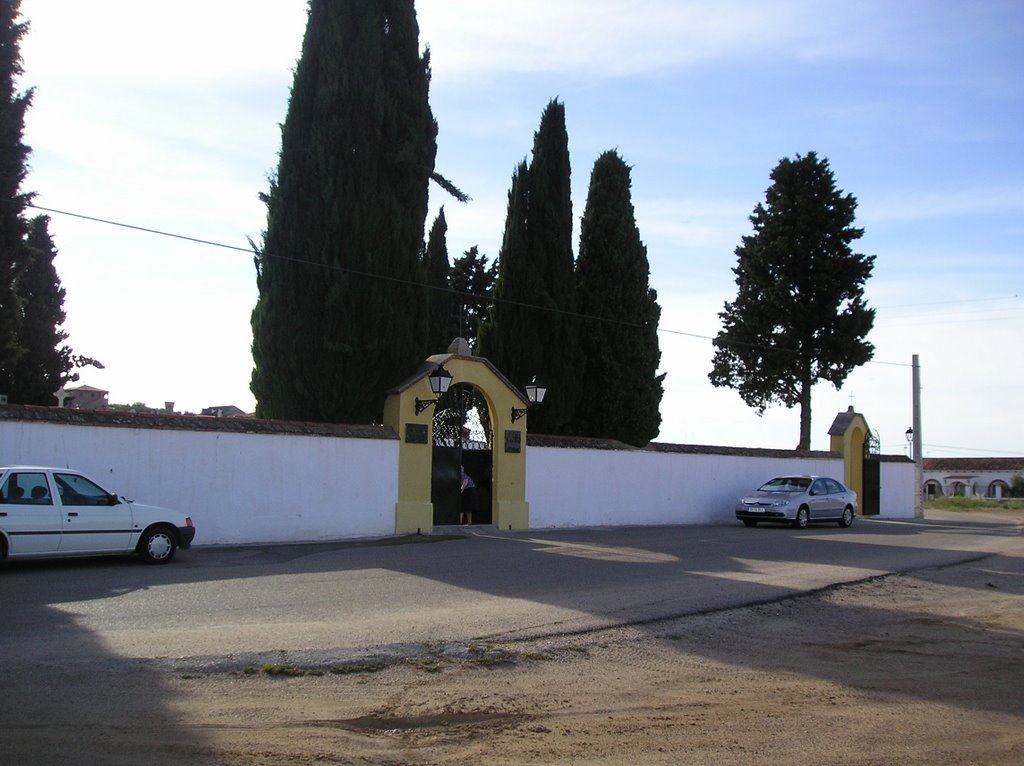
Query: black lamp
(535, 392)
(440, 379)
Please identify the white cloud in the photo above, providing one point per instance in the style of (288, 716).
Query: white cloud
(470, 38)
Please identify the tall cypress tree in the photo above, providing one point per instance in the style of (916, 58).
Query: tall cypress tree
(532, 329)
(620, 390)
(799, 314)
(439, 297)
(43, 367)
(340, 316)
(13, 168)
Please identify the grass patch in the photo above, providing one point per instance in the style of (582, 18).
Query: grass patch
(426, 664)
(494, 659)
(974, 504)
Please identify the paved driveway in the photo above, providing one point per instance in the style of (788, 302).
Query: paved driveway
(237, 605)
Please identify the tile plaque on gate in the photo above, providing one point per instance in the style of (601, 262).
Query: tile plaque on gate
(415, 433)
(513, 441)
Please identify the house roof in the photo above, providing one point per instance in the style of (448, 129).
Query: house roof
(974, 464)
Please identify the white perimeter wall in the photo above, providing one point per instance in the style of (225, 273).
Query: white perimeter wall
(581, 487)
(238, 488)
(261, 488)
(897, 495)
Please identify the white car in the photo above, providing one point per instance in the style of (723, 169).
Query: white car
(59, 512)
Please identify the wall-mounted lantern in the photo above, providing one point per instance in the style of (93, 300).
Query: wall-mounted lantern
(535, 392)
(440, 379)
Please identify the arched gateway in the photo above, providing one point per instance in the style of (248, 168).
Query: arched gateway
(471, 425)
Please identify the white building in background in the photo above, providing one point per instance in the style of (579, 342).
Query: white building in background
(971, 476)
(83, 398)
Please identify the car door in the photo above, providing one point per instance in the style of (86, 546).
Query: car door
(93, 521)
(819, 500)
(28, 514)
(837, 497)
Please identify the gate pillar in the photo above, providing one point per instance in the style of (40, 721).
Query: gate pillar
(849, 436)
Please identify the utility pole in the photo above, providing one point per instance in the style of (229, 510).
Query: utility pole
(918, 457)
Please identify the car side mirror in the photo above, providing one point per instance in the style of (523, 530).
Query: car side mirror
(113, 499)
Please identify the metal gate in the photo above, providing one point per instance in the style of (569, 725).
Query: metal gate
(870, 503)
(462, 440)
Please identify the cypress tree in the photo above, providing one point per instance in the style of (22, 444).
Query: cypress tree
(13, 168)
(620, 390)
(799, 314)
(341, 316)
(439, 297)
(532, 329)
(43, 367)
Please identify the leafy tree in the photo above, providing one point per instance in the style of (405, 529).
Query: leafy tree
(341, 316)
(43, 367)
(620, 389)
(532, 329)
(472, 284)
(439, 298)
(13, 168)
(1017, 485)
(799, 315)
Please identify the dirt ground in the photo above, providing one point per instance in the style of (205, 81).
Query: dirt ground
(922, 668)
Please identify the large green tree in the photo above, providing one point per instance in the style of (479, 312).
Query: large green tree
(533, 329)
(620, 389)
(13, 168)
(341, 313)
(799, 315)
(471, 281)
(45, 364)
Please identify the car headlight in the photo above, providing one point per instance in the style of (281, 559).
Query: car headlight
(780, 502)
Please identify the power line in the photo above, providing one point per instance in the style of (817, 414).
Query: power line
(994, 453)
(400, 280)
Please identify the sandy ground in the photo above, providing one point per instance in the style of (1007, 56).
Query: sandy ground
(923, 668)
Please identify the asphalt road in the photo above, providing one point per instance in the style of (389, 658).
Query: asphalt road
(235, 606)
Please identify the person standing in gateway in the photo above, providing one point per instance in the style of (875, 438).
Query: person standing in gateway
(468, 497)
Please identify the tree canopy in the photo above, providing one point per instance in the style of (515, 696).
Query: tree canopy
(45, 364)
(440, 301)
(13, 169)
(472, 283)
(799, 315)
(620, 388)
(341, 313)
(532, 329)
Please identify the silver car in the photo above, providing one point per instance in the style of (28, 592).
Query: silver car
(799, 500)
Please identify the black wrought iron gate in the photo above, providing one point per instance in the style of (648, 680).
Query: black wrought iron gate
(462, 439)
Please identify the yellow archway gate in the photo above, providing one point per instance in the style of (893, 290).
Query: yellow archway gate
(414, 511)
(849, 435)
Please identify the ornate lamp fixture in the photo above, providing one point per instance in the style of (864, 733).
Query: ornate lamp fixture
(535, 392)
(440, 379)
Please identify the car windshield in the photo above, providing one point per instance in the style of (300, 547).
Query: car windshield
(787, 484)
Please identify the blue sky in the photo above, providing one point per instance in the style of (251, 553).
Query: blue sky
(165, 116)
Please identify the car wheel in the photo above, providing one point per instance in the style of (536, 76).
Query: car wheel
(803, 516)
(157, 546)
(750, 522)
(847, 518)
